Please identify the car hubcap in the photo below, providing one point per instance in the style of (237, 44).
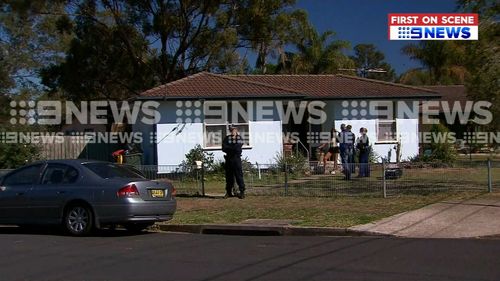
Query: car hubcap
(78, 219)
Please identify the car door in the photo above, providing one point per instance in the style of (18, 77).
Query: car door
(48, 197)
(14, 192)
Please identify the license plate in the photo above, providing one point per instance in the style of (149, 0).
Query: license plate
(157, 193)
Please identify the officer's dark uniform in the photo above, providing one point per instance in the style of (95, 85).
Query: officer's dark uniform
(232, 146)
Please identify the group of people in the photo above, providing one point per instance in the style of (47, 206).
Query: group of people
(346, 144)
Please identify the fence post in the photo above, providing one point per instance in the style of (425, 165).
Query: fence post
(286, 179)
(383, 179)
(490, 184)
(203, 179)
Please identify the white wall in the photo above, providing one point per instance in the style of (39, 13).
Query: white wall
(265, 142)
(172, 150)
(407, 130)
(175, 140)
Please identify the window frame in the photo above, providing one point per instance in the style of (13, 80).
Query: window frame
(42, 176)
(388, 141)
(40, 169)
(226, 125)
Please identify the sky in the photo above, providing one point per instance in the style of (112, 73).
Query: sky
(365, 21)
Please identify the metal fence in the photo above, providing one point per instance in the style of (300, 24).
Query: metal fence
(315, 180)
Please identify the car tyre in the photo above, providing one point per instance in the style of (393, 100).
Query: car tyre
(137, 227)
(78, 220)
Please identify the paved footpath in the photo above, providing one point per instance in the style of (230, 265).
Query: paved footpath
(448, 219)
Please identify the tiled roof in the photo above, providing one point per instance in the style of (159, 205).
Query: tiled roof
(340, 86)
(450, 92)
(209, 85)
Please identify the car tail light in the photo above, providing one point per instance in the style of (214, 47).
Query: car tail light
(174, 191)
(127, 191)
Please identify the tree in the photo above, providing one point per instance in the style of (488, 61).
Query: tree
(318, 54)
(482, 57)
(441, 60)
(29, 40)
(366, 57)
(266, 26)
(100, 64)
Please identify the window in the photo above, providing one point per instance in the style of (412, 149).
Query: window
(386, 131)
(26, 176)
(109, 170)
(222, 115)
(385, 112)
(59, 174)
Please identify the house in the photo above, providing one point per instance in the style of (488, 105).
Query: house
(331, 99)
(451, 94)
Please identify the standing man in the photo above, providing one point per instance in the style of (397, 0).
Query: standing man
(232, 146)
(363, 146)
(351, 140)
(346, 139)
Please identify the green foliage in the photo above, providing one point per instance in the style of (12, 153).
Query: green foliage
(482, 60)
(366, 57)
(317, 54)
(442, 151)
(442, 61)
(29, 41)
(295, 163)
(100, 65)
(16, 155)
(198, 154)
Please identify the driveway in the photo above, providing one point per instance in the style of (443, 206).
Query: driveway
(477, 217)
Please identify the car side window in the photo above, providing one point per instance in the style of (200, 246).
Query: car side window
(28, 175)
(59, 174)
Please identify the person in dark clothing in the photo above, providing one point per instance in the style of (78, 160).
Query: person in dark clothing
(346, 140)
(363, 146)
(342, 147)
(232, 146)
(351, 139)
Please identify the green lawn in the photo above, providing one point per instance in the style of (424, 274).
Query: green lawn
(305, 211)
(415, 180)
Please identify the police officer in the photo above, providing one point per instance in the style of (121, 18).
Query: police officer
(232, 146)
(346, 140)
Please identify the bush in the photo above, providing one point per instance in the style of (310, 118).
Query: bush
(16, 155)
(197, 154)
(441, 151)
(295, 163)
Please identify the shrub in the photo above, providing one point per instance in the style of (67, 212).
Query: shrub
(197, 154)
(295, 163)
(438, 152)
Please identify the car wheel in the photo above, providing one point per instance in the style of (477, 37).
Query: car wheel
(137, 227)
(78, 220)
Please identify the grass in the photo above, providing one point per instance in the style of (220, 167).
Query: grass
(415, 180)
(305, 211)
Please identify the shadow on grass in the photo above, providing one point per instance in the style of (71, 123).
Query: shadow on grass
(200, 196)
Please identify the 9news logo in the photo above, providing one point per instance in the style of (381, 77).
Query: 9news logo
(433, 26)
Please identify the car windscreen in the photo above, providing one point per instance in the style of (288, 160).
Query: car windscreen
(110, 170)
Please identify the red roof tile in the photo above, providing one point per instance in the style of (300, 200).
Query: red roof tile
(209, 85)
(451, 94)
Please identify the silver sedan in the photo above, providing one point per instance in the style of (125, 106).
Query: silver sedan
(82, 195)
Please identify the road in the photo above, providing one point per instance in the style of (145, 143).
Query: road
(47, 255)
